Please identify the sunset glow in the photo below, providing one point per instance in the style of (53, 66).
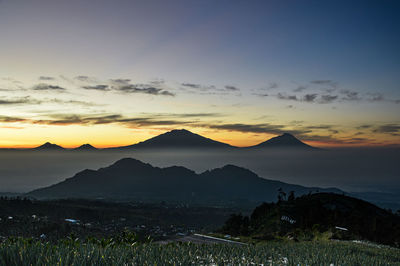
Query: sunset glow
(117, 74)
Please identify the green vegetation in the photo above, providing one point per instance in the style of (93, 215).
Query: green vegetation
(20, 251)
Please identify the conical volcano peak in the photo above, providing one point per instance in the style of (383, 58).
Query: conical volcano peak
(179, 132)
(85, 147)
(288, 135)
(180, 138)
(49, 146)
(286, 140)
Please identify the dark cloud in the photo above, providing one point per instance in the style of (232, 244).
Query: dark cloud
(82, 78)
(375, 97)
(64, 120)
(138, 88)
(100, 87)
(331, 139)
(46, 78)
(124, 85)
(282, 96)
(86, 79)
(300, 89)
(22, 100)
(183, 115)
(44, 87)
(261, 94)
(120, 81)
(256, 128)
(328, 98)
(350, 95)
(328, 128)
(356, 140)
(157, 82)
(167, 93)
(392, 129)
(83, 103)
(325, 82)
(249, 128)
(197, 115)
(272, 86)
(364, 126)
(310, 97)
(191, 85)
(320, 127)
(10, 119)
(61, 119)
(138, 122)
(210, 89)
(231, 88)
(29, 101)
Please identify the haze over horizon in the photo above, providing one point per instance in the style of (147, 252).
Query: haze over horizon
(114, 73)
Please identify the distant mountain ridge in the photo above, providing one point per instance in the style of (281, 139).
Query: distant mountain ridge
(54, 147)
(132, 179)
(184, 139)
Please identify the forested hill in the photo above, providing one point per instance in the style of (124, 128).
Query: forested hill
(311, 216)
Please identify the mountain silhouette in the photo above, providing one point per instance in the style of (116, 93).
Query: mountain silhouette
(178, 138)
(184, 139)
(132, 179)
(85, 147)
(285, 140)
(49, 146)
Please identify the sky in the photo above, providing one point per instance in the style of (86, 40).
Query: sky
(113, 73)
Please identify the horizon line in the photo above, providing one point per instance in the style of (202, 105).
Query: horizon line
(315, 143)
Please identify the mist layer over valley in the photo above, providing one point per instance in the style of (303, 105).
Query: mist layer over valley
(354, 170)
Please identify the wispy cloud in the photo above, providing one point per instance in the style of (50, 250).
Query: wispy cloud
(375, 97)
(64, 119)
(310, 97)
(231, 88)
(76, 102)
(328, 98)
(120, 81)
(392, 129)
(300, 88)
(325, 82)
(272, 86)
(86, 79)
(283, 96)
(47, 87)
(350, 95)
(100, 87)
(20, 100)
(46, 78)
(10, 119)
(140, 88)
(199, 87)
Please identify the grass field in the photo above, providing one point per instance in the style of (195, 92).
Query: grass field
(108, 252)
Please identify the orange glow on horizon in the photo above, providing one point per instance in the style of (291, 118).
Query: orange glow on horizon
(237, 139)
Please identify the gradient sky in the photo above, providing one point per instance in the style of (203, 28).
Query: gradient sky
(117, 72)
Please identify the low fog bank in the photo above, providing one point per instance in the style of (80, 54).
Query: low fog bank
(354, 170)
